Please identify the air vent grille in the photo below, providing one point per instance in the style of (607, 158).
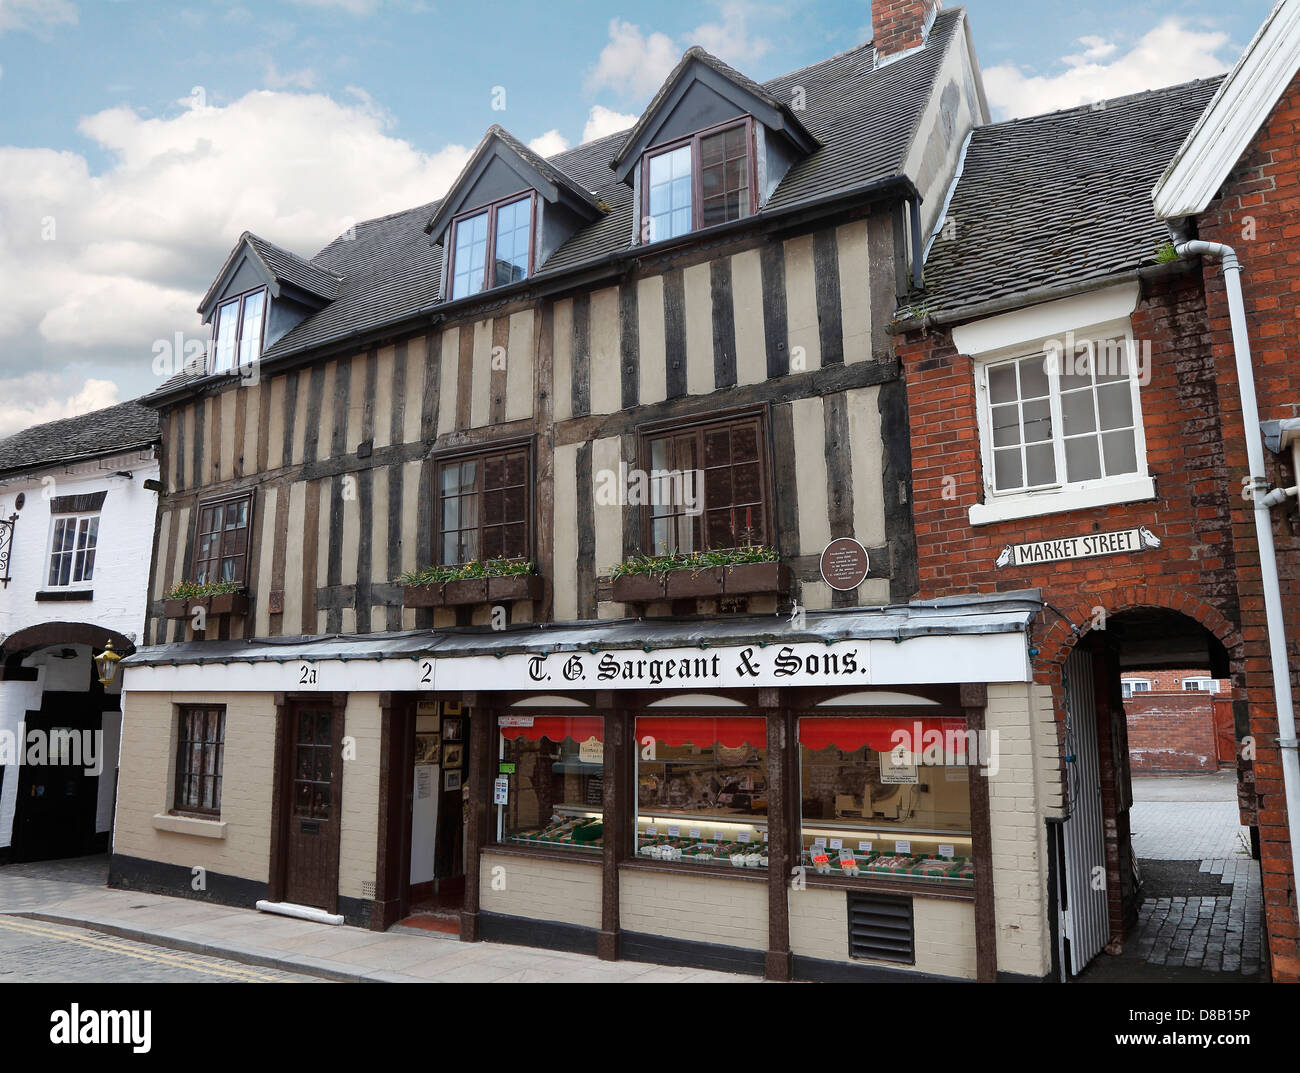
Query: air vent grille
(880, 927)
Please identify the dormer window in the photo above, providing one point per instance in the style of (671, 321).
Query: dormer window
(238, 331)
(699, 181)
(492, 246)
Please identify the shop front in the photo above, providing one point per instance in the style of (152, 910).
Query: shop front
(861, 797)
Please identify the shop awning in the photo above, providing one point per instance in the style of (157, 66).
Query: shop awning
(730, 731)
(558, 727)
(850, 733)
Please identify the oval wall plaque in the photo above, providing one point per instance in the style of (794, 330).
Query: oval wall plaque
(844, 564)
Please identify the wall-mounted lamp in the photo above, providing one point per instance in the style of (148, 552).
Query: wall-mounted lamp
(107, 662)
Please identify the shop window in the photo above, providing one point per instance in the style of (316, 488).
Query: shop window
(709, 487)
(553, 767)
(200, 745)
(702, 790)
(483, 507)
(887, 796)
(221, 545)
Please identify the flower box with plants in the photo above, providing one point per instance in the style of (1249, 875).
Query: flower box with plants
(747, 570)
(215, 597)
(477, 582)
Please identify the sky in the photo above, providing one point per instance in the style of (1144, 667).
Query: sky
(138, 139)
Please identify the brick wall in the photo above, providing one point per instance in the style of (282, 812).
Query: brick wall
(896, 24)
(1256, 212)
(1171, 732)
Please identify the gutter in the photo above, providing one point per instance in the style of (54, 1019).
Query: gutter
(610, 266)
(1262, 499)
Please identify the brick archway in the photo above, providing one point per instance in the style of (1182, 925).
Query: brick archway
(1059, 639)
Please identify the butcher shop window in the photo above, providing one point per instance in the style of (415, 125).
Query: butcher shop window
(888, 796)
(702, 790)
(550, 786)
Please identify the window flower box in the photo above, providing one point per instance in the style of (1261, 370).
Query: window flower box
(684, 584)
(217, 599)
(469, 590)
(638, 588)
(228, 603)
(514, 587)
(175, 609)
(748, 578)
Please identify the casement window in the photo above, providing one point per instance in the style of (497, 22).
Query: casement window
(483, 506)
(73, 542)
(221, 540)
(1200, 685)
(200, 744)
(238, 331)
(1064, 424)
(697, 182)
(1129, 686)
(492, 246)
(708, 487)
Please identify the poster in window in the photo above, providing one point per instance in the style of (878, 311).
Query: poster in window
(453, 756)
(426, 748)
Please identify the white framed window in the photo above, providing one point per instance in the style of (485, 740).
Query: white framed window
(1061, 424)
(1135, 685)
(237, 332)
(1200, 685)
(73, 542)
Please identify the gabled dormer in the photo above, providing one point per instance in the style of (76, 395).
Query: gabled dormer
(260, 294)
(505, 214)
(711, 147)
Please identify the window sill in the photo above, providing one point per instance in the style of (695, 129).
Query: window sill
(1009, 508)
(556, 853)
(956, 890)
(52, 595)
(189, 825)
(678, 868)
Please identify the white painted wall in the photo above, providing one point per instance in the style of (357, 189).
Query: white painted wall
(119, 587)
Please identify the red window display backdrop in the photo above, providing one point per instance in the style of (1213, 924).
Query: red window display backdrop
(850, 733)
(728, 731)
(556, 728)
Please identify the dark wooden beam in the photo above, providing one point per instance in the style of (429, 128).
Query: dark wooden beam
(778, 961)
(974, 701)
(481, 725)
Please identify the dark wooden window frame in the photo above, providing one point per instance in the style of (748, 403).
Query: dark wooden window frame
(697, 182)
(239, 327)
(489, 260)
(179, 808)
(647, 433)
(483, 452)
(216, 501)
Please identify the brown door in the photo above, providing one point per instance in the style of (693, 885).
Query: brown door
(314, 774)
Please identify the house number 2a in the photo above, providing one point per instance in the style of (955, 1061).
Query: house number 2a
(307, 678)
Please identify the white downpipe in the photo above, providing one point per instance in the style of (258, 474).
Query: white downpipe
(1262, 500)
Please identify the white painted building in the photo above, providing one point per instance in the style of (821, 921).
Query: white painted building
(74, 570)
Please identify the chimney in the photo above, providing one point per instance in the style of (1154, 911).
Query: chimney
(898, 26)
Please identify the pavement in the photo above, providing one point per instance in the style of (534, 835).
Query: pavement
(58, 921)
(1210, 930)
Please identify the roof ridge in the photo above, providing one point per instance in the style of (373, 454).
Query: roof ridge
(1091, 106)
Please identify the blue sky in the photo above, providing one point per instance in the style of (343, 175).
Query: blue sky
(137, 139)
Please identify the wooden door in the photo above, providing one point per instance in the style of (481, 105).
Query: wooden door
(312, 791)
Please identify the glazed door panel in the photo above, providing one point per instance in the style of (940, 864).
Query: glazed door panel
(314, 770)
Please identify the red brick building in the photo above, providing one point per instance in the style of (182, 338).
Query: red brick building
(1077, 429)
(1179, 721)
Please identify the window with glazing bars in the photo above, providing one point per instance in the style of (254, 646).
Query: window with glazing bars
(221, 541)
(73, 540)
(200, 743)
(483, 505)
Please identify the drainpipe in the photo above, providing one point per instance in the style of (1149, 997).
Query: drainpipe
(1262, 499)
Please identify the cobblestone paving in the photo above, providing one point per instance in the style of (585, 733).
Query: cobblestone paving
(32, 951)
(32, 885)
(1197, 820)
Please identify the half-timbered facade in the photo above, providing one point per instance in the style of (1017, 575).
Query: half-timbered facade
(546, 552)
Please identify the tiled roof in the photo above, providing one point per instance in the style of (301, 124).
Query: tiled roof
(290, 268)
(1058, 198)
(116, 428)
(863, 118)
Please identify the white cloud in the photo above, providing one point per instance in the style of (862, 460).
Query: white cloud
(98, 265)
(39, 397)
(303, 78)
(352, 7)
(602, 121)
(549, 144)
(35, 14)
(634, 64)
(1164, 56)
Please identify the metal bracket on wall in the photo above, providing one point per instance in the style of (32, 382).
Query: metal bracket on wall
(6, 546)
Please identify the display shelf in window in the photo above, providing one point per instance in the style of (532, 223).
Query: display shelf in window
(554, 776)
(886, 795)
(702, 790)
